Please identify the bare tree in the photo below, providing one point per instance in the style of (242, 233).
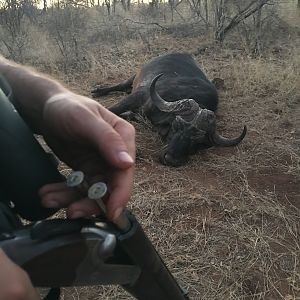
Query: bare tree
(114, 6)
(44, 5)
(206, 12)
(173, 5)
(125, 4)
(14, 36)
(108, 6)
(195, 6)
(258, 28)
(223, 26)
(219, 9)
(200, 9)
(153, 4)
(66, 27)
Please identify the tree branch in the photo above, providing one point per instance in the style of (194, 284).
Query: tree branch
(244, 14)
(146, 23)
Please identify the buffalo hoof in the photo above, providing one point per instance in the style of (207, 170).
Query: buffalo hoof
(100, 90)
(219, 83)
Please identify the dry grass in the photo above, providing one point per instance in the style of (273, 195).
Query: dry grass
(227, 223)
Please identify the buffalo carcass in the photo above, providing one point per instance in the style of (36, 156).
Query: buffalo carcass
(178, 99)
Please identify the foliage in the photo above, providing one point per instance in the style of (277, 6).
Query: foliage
(69, 29)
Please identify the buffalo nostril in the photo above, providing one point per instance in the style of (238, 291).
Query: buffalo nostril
(169, 160)
(164, 158)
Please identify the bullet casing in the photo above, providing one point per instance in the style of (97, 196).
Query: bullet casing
(77, 180)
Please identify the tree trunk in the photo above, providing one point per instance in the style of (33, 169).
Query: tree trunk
(257, 46)
(206, 13)
(124, 4)
(171, 3)
(107, 3)
(44, 5)
(114, 6)
(220, 21)
(222, 30)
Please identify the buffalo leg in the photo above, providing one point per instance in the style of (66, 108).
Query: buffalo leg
(101, 90)
(131, 116)
(131, 103)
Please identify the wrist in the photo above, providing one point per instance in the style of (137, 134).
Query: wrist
(53, 104)
(56, 97)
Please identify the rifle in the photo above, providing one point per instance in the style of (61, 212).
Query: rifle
(64, 252)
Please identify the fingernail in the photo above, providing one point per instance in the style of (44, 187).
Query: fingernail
(77, 214)
(125, 157)
(51, 204)
(117, 213)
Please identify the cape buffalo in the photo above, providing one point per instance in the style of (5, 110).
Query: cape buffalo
(178, 99)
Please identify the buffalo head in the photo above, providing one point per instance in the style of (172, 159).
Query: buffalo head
(190, 129)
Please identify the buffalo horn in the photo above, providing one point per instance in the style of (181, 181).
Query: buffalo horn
(218, 140)
(160, 103)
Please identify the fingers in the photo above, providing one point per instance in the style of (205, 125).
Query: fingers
(95, 127)
(122, 180)
(84, 208)
(58, 195)
(83, 120)
(127, 133)
(113, 137)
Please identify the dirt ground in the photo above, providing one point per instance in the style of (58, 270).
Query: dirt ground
(227, 222)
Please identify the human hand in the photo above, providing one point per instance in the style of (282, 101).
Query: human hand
(89, 138)
(14, 281)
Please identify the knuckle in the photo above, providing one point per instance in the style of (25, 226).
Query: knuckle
(110, 136)
(129, 129)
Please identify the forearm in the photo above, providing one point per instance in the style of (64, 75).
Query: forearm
(31, 91)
